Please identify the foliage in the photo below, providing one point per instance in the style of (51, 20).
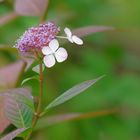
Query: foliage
(115, 54)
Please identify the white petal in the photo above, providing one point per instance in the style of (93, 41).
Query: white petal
(49, 61)
(70, 39)
(68, 32)
(46, 50)
(61, 55)
(77, 40)
(54, 44)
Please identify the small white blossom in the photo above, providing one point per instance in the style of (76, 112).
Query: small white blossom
(73, 38)
(53, 53)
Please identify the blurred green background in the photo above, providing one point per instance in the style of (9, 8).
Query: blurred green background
(115, 54)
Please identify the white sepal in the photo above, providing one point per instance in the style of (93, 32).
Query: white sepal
(54, 45)
(49, 60)
(53, 53)
(61, 55)
(73, 38)
(47, 50)
(68, 32)
(77, 40)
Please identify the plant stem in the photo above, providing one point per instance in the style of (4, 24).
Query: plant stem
(43, 17)
(63, 37)
(41, 90)
(38, 111)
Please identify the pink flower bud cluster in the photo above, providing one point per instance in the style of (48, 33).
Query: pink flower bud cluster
(35, 38)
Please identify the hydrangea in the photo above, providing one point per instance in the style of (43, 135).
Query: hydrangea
(35, 38)
(42, 40)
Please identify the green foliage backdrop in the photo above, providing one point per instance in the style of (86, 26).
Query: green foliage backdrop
(115, 54)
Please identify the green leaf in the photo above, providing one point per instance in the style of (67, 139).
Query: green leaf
(19, 108)
(25, 133)
(22, 95)
(30, 78)
(13, 134)
(84, 31)
(52, 120)
(37, 68)
(74, 91)
(31, 7)
(3, 120)
(11, 74)
(24, 100)
(7, 18)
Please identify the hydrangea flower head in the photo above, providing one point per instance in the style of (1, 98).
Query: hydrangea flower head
(35, 38)
(41, 41)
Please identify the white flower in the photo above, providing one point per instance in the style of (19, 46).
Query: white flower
(53, 53)
(73, 38)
